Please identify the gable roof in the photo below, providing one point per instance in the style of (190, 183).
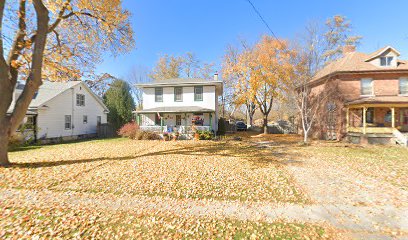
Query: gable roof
(381, 51)
(180, 81)
(49, 90)
(357, 62)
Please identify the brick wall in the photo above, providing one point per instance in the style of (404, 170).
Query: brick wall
(348, 88)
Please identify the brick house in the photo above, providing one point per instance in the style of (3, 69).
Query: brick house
(367, 97)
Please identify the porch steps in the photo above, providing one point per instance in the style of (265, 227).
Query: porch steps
(401, 139)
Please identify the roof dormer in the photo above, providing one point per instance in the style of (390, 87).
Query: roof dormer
(384, 57)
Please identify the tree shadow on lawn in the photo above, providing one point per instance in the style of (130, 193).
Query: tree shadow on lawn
(67, 162)
(259, 157)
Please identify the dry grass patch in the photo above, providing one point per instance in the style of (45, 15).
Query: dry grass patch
(388, 163)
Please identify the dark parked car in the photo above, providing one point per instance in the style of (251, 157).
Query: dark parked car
(241, 126)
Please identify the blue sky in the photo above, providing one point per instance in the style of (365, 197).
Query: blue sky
(206, 27)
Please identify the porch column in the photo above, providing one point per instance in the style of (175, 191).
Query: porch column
(210, 122)
(161, 122)
(185, 122)
(347, 119)
(393, 117)
(364, 119)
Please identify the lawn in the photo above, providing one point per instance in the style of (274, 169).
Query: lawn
(34, 223)
(252, 170)
(386, 163)
(185, 169)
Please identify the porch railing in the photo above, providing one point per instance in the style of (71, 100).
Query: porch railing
(165, 128)
(401, 138)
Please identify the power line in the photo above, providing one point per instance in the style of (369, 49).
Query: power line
(263, 20)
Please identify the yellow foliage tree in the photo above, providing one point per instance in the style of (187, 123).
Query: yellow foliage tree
(54, 40)
(262, 73)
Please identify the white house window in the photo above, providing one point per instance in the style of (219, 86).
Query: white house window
(67, 121)
(85, 119)
(98, 120)
(403, 86)
(158, 94)
(198, 93)
(178, 94)
(178, 120)
(80, 100)
(366, 86)
(386, 61)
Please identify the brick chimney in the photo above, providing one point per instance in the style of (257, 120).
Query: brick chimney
(349, 49)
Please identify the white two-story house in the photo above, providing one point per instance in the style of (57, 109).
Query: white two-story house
(63, 110)
(178, 104)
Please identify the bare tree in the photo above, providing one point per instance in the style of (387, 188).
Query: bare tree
(138, 74)
(319, 46)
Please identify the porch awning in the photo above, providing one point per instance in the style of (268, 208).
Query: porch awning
(380, 101)
(186, 109)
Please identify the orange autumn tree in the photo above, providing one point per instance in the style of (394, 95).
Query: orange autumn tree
(263, 73)
(236, 74)
(55, 40)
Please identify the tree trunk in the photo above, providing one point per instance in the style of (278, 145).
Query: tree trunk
(305, 136)
(251, 119)
(265, 124)
(4, 140)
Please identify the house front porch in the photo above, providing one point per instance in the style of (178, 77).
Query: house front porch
(379, 122)
(183, 120)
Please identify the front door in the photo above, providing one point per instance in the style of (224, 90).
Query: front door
(404, 119)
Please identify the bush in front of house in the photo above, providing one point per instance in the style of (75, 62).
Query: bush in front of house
(205, 135)
(144, 135)
(129, 130)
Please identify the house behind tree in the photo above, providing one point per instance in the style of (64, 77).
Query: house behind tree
(178, 104)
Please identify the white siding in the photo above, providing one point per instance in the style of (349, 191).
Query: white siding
(377, 61)
(188, 98)
(51, 119)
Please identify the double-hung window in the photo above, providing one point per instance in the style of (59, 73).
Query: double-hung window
(158, 94)
(386, 61)
(366, 86)
(67, 122)
(198, 93)
(80, 100)
(403, 86)
(178, 94)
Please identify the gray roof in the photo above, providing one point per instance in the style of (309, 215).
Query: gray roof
(181, 81)
(47, 91)
(186, 109)
(184, 82)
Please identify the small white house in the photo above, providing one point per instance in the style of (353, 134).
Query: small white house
(67, 110)
(178, 104)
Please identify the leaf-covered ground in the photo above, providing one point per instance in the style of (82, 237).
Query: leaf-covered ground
(34, 223)
(185, 169)
(256, 170)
